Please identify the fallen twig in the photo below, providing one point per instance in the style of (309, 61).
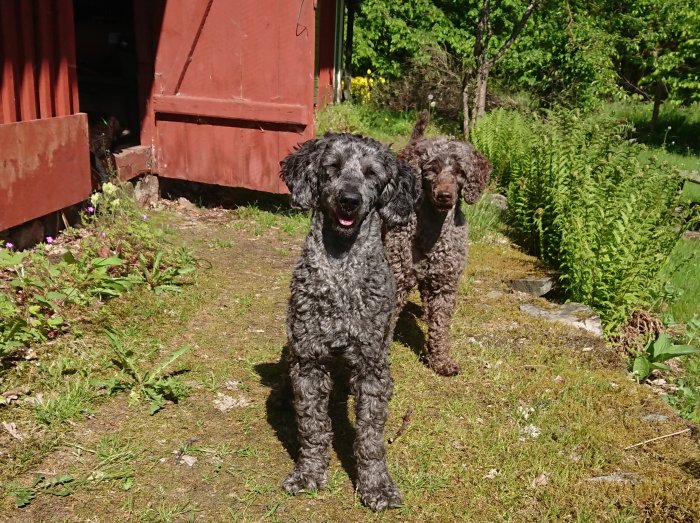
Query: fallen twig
(183, 449)
(657, 438)
(404, 424)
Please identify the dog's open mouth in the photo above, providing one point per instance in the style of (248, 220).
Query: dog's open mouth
(346, 220)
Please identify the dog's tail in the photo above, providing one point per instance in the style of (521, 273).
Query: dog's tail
(421, 124)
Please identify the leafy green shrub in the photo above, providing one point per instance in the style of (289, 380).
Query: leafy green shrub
(118, 248)
(580, 199)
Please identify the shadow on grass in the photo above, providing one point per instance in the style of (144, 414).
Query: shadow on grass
(212, 196)
(280, 410)
(409, 333)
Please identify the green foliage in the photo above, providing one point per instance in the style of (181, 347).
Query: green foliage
(118, 248)
(484, 218)
(682, 276)
(655, 354)
(580, 199)
(574, 53)
(686, 399)
(160, 279)
(156, 386)
(569, 59)
(376, 122)
(58, 486)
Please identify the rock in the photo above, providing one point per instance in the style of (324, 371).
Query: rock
(491, 474)
(494, 294)
(224, 402)
(188, 460)
(574, 314)
(498, 200)
(540, 481)
(533, 286)
(147, 191)
(616, 477)
(184, 203)
(654, 417)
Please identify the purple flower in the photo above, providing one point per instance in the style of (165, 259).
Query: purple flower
(9, 245)
(103, 234)
(90, 210)
(49, 239)
(144, 217)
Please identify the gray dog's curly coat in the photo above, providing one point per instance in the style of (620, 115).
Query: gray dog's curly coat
(342, 301)
(431, 250)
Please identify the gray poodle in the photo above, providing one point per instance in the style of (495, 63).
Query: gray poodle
(342, 301)
(431, 250)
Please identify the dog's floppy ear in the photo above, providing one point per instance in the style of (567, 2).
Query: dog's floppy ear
(477, 171)
(299, 170)
(400, 194)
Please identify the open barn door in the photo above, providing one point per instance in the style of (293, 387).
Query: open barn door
(233, 89)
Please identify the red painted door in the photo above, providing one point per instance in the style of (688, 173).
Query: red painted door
(233, 89)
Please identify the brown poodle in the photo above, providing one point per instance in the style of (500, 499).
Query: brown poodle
(431, 250)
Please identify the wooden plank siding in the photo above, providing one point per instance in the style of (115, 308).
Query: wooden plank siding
(44, 157)
(37, 50)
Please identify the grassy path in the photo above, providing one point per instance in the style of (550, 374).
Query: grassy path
(538, 413)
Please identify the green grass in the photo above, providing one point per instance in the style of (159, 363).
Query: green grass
(383, 125)
(683, 275)
(691, 191)
(675, 138)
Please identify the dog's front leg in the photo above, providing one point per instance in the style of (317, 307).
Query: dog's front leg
(372, 387)
(439, 305)
(311, 382)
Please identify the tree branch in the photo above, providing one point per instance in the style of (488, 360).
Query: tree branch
(534, 4)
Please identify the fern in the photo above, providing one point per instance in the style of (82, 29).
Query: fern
(580, 199)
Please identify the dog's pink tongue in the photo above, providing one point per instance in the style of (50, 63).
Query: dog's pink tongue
(345, 222)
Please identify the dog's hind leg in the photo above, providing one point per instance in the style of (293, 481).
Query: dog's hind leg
(311, 382)
(372, 387)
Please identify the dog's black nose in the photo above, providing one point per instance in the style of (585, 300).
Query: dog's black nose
(444, 196)
(349, 201)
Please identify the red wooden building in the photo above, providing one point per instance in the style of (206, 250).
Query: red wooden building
(215, 91)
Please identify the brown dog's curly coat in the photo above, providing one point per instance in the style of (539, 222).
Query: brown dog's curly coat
(431, 250)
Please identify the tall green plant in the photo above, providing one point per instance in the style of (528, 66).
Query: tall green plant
(581, 200)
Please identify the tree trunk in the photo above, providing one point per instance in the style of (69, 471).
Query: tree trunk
(347, 73)
(482, 78)
(658, 94)
(465, 108)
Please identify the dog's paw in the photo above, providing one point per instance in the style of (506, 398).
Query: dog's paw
(381, 497)
(303, 481)
(444, 365)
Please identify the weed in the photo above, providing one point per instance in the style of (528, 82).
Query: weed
(118, 249)
(58, 486)
(70, 402)
(160, 279)
(483, 218)
(154, 386)
(169, 513)
(656, 353)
